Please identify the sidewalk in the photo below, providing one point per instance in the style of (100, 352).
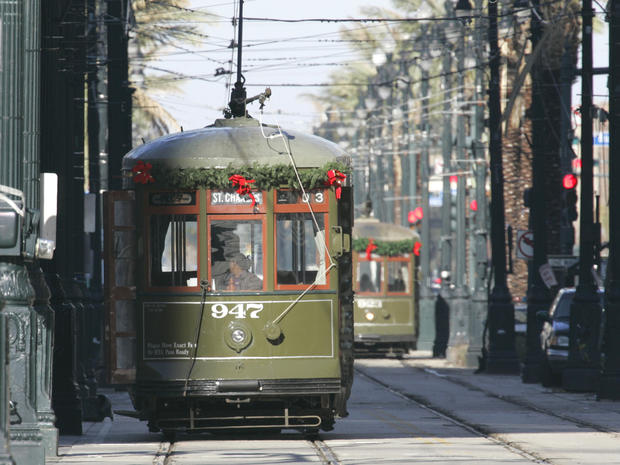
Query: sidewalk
(603, 415)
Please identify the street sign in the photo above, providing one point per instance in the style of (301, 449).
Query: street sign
(562, 261)
(525, 245)
(547, 275)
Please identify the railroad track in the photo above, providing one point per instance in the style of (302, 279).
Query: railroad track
(448, 416)
(167, 449)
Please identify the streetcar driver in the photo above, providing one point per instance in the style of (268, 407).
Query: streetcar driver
(238, 278)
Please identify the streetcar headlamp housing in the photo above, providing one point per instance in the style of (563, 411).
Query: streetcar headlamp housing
(370, 316)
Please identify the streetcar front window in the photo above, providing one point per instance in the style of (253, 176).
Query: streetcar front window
(300, 249)
(236, 255)
(368, 276)
(398, 276)
(173, 250)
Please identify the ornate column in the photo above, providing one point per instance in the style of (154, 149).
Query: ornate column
(43, 337)
(18, 295)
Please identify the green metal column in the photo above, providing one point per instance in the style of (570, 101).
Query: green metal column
(444, 299)
(582, 372)
(42, 318)
(427, 336)
(457, 343)
(479, 300)
(610, 377)
(17, 292)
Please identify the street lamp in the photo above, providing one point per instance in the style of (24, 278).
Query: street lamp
(427, 338)
(457, 346)
(501, 356)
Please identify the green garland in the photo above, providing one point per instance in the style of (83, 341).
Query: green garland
(266, 177)
(384, 248)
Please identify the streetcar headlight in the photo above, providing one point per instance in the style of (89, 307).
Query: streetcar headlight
(238, 335)
(370, 316)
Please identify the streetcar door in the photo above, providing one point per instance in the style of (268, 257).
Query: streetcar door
(119, 286)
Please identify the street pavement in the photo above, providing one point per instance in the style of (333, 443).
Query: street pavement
(512, 422)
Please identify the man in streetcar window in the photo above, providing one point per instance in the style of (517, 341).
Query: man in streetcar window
(238, 278)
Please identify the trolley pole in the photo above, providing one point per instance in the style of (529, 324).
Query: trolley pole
(582, 371)
(610, 377)
(479, 300)
(445, 296)
(457, 345)
(538, 296)
(427, 338)
(502, 356)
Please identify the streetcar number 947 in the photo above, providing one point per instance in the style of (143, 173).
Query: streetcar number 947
(239, 311)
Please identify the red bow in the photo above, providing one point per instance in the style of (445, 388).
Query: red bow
(143, 172)
(371, 246)
(335, 178)
(244, 186)
(416, 248)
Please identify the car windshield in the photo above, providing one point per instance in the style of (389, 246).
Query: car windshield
(565, 300)
(562, 309)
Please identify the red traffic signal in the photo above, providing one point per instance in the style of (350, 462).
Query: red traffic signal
(415, 215)
(473, 205)
(416, 248)
(569, 181)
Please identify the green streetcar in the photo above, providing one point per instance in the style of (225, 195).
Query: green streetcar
(229, 290)
(385, 281)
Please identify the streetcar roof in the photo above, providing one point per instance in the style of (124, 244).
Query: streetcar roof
(237, 141)
(373, 228)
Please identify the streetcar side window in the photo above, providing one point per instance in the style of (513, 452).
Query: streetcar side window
(369, 276)
(236, 255)
(398, 276)
(173, 250)
(300, 249)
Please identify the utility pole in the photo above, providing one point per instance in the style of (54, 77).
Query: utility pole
(502, 357)
(457, 345)
(428, 337)
(479, 299)
(538, 296)
(582, 371)
(610, 377)
(119, 92)
(444, 299)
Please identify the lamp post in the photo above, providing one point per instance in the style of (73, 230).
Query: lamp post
(457, 345)
(427, 338)
(538, 296)
(501, 357)
(444, 299)
(479, 300)
(582, 371)
(610, 377)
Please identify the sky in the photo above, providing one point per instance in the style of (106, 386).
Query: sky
(273, 53)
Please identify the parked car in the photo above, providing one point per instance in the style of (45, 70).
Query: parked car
(554, 336)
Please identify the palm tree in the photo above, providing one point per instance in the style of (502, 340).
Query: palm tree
(158, 24)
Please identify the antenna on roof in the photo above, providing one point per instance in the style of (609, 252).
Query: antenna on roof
(236, 106)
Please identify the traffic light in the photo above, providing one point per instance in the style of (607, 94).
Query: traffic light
(569, 182)
(569, 213)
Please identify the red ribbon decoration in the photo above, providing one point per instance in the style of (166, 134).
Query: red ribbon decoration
(244, 186)
(335, 178)
(416, 248)
(142, 173)
(371, 246)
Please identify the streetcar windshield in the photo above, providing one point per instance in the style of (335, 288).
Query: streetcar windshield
(368, 276)
(398, 276)
(300, 249)
(236, 255)
(173, 250)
